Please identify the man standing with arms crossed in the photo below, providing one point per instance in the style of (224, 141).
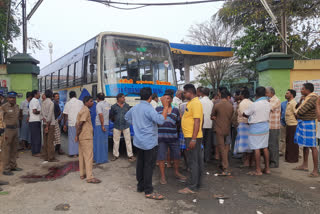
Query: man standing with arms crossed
(191, 125)
(145, 120)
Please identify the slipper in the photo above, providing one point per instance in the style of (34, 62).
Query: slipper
(312, 175)
(155, 196)
(298, 168)
(266, 172)
(83, 177)
(186, 191)
(225, 173)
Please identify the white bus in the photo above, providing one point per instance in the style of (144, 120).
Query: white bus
(112, 63)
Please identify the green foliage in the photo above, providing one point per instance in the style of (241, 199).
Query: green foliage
(6, 38)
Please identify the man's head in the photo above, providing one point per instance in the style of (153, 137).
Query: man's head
(48, 93)
(260, 92)
(222, 88)
(199, 91)
(224, 94)
(100, 97)
(291, 94)
(270, 92)
(179, 94)
(307, 89)
(56, 97)
(237, 95)
(121, 98)
(146, 94)
(88, 101)
(36, 94)
(12, 97)
(168, 94)
(29, 96)
(72, 94)
(155, 97)
(189, 91)
(244, 94)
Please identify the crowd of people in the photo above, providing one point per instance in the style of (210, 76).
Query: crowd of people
(180, 124)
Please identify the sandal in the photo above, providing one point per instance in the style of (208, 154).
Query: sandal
(155, 196)
(132, 159)
(181, 178)
(114, 158)
(93, 181)
(225, 173)
(312, 175)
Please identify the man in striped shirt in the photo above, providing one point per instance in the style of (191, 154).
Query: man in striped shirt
(168, 138)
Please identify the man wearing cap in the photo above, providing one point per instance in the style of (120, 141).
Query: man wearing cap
(9, 148)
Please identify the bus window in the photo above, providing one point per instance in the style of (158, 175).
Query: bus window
(78, 73)
(90, 77)
(63, 77)
(71, 69)
(48, 81)
(54, 78)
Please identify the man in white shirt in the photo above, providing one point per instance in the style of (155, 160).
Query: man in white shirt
(207, 106)
(258, 114)
(155, 100)
(70, 113)
(177, 100)
(35, 123)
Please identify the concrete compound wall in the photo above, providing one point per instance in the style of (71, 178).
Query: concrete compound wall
(305, 70)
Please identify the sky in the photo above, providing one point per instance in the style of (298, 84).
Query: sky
(69, 23)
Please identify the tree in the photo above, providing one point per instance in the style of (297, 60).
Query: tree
(9, 26)
(303, 25)
(212, 33)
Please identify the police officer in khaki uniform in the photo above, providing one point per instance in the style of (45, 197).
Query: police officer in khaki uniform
(1, 142)
(9, 147)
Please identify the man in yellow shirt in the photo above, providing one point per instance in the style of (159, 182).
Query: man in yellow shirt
(191, 126)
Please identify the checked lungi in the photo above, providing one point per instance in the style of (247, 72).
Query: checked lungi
(242, 139)
(306, 133)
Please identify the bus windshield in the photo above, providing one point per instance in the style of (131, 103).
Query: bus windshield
(136, 61)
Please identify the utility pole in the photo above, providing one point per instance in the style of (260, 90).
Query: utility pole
(284, 47)
(24, 27)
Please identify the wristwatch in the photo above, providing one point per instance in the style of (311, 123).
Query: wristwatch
(194, 140)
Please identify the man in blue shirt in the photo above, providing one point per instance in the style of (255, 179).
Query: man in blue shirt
(282, 143)
(145, 121)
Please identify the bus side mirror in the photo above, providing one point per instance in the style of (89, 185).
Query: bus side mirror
(93, 56)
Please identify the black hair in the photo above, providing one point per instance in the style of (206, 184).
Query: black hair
(200, 88)
(72, 94)
(260, 91)
(169, 92)
(154, 96)
(205, 91)
(119, 96)
(34, 93)
(224, 94)
(293, 92)
(145, 93)
(190, 88)
(237, 93)
(101, 96)
(245, 93)
(86, 99)
(55, 94)
(309, 86)
(221, 88)
(48, 93)
(29, 94)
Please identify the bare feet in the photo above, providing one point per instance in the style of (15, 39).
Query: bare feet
(163, 181)
(254, 173)
(186, 191)
(301, 168)
(266, 171)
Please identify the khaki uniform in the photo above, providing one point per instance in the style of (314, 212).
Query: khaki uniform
(9, 146)
(85, 143)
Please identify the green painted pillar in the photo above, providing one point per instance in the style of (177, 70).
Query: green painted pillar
(274, 70)
(22, 70)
